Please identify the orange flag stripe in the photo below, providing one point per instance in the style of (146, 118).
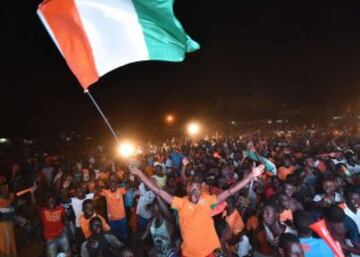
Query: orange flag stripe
(64, 21)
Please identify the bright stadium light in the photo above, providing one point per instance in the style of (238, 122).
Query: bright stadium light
(126, 149)
(4, 140)
(169, 118)
(193, 129)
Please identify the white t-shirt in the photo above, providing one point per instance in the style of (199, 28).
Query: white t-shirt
(319, 197)
(76, 204)
(275, 241)
(146, 197)
(168, 163)
(352, 169)
(354, 216)
(243, 246)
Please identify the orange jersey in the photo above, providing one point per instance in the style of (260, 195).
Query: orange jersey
(283, 172)
(115, 203)
(196, 225)
(235, 222)
(286, 215)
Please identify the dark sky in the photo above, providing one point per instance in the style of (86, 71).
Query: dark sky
(256, 55)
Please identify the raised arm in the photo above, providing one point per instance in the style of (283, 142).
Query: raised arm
(185, 163)
(257, 171)
(166, 211)
(164, 195)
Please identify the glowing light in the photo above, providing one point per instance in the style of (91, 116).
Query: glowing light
(170, 118)
(193, 129)
(3, 140)
(126, 149)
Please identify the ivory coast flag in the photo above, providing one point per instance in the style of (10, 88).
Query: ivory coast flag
(269, 166)
(97, 36)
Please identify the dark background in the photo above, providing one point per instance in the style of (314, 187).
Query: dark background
(258, 59)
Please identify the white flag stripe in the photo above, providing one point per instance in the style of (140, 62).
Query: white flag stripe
(114, 33)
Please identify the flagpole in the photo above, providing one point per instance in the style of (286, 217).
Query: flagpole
(86, 91)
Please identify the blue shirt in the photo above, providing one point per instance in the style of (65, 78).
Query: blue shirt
(314, 247)
(176, 159)
(129, 198)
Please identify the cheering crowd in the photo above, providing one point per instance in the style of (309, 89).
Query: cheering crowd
(254, 194)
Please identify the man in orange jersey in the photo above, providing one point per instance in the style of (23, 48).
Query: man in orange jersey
(196, 224)
(116, 211)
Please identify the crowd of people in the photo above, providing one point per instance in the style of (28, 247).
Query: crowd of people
(252, 194)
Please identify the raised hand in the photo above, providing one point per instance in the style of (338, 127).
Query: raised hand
(34, 187)
(257, 171)
(134, 167)
(133, 170)
(186, 161)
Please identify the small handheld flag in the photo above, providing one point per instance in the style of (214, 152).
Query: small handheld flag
(269, 166)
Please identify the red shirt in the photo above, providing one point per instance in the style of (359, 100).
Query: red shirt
(52, 221)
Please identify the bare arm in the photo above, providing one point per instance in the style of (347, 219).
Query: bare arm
(165, 210)
(182, 174)
(241, 184)
(164, 195)
(185, 162)
(33, 189)
(146, 232)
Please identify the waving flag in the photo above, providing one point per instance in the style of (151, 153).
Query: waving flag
(97, 36)
(269, 166)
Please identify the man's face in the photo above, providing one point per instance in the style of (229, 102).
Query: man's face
(78, 177)
(80, 192)
(113, 187)
(353, 201)
(155, 211)
(285, 201)
(289, 189)
(293, 250)
(339, 182)
(337, 230)
(269, 215)
(158, 170)
(194, 192)
(51, 203)
(350, 159)
(88, 210)
(171, 181)
(329, 187)
(96, 227)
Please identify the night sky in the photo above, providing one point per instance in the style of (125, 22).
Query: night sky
(257, 58)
